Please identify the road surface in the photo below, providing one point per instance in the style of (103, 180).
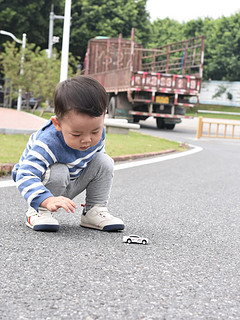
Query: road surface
(188, 207)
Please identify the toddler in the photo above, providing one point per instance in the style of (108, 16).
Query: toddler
(67, 156)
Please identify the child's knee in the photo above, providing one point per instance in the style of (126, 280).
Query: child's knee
(105, 162)
(57, 178)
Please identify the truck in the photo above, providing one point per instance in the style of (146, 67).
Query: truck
(159, 82)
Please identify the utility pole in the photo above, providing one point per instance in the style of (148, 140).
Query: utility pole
(19, 101)
(65, 42)
(51, 38)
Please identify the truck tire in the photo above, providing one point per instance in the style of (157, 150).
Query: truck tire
(180, 110)
(112, 107)
(170, 126)
(136, 119)
(160, 123)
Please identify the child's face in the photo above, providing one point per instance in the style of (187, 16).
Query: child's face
(79, 130)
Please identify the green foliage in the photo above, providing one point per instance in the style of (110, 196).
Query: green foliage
(91, 18)
(229, 96)
(40, 74)
(12, 146)
(220, 90)
(11, 58)
(30, 17)
(135, 143)
(222, 48)
(222, 42)
(165, 31)
(222, 60)
(226, 110)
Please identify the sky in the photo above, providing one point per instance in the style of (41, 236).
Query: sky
(185, 10)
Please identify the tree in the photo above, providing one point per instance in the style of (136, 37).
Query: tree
(91, 18)
(30, 17)
(194, 28)
(165, 31)
(11, 64)
(222, 42)
(40, 75)
(225, 62)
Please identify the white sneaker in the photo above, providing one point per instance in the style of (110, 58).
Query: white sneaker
(99, 218)
(42, 220)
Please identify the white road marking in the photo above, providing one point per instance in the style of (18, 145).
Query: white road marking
(121, 166)
(7, 183)
(156, 159)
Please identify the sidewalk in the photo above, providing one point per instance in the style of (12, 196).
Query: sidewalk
(13, 121)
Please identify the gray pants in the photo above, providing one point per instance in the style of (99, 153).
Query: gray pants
(96, 179)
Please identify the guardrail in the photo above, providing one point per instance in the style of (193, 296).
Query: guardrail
(221, 129)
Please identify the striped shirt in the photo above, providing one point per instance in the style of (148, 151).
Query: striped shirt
(44, 148)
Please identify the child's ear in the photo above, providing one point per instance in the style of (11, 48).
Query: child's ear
(56, 123)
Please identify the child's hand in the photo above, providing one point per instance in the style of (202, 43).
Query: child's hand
(54, 203)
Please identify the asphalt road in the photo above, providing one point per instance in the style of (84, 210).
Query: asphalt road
(188, 207)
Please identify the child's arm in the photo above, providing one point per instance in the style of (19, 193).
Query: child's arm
(54, 203)
(29, 171)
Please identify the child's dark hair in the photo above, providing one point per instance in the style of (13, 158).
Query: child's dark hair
(82, 94)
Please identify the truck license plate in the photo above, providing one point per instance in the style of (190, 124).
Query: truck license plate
(162, 99)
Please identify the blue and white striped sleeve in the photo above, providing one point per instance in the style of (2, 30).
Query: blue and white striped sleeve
(32, 166)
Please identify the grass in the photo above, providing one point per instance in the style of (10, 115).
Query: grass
(12, 146)
(194, 112)
(46, 115)
(134, 143)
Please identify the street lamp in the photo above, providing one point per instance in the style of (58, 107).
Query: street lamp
(65, 42)
(23, 43)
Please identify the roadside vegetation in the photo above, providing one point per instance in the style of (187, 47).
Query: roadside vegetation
(108, 19)
(12, 146)
(45, 115)
(194, 112)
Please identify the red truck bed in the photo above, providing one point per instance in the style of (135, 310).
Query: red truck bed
(123, 64)
(159, 82)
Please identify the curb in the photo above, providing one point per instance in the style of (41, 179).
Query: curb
(6, 168)
(16, 131)
(141, 155)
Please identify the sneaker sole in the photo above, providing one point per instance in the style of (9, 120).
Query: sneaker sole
(113, 227)
(44, 227)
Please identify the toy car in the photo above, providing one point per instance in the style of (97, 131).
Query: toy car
(135, 239)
